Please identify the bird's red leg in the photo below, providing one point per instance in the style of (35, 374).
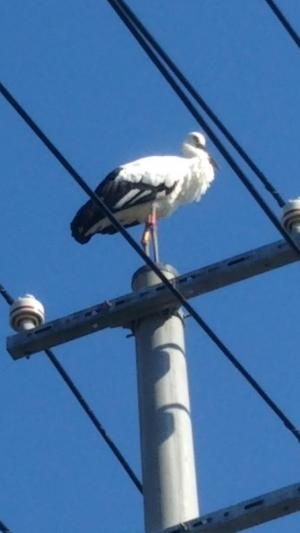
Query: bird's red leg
(150, 234)
(146, 238)
(153, 229)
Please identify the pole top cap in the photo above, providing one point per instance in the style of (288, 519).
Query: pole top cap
(144, 277)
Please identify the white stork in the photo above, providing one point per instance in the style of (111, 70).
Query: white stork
(148, 189)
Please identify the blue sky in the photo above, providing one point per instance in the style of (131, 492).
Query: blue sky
(84, 80)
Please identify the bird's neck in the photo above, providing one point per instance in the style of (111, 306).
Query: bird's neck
(190, 151)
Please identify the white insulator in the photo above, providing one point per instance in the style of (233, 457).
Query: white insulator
(291, 216)
(26, 313)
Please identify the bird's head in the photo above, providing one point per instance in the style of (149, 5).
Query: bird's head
(194, 142)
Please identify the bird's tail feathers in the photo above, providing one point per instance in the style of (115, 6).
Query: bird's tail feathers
(84, 219)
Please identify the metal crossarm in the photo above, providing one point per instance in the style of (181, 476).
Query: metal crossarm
(246, 514)
(125, 310)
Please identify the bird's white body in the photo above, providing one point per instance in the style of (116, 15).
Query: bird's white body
(166, 182)
(189, 179)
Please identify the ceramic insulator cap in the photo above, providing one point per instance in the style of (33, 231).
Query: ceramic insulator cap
(26, 313)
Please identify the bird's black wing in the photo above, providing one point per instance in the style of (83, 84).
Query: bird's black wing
(118, 195)
(90, 213)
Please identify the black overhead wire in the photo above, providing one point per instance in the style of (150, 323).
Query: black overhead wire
(169, 284)
(200, 100)
(90, 413)
(4, 529)
(6, 296)
(87, 409)
(285, 23)
(115, 4)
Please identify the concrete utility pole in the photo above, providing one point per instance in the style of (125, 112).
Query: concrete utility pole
(168, 464)
(152, 312)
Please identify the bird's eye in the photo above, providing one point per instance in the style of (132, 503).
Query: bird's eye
(196, 141)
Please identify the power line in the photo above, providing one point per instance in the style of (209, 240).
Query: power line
(6, 296)
(200, 100)
(4, 529)
(189, 105)
(90, 413)
(85, 406)
(285, 23)
(206, 328)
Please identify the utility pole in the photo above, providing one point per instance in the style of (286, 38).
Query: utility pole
(168, 464)
(153, 314)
